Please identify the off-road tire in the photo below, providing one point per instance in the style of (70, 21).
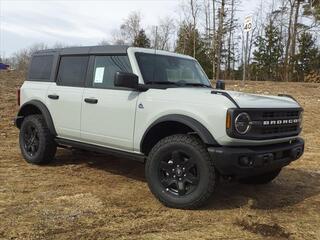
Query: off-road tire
(46, 145)
(261, 179)
(207, 175)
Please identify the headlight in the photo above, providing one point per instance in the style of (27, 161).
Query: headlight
(242, 123)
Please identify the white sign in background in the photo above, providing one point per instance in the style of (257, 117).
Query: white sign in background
(248, 24)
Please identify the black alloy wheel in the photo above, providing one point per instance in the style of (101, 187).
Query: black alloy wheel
(31, 139)
(178, 173)
(36, 142)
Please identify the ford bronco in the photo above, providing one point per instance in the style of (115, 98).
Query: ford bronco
(157, 107)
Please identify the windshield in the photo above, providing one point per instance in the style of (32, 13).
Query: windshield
(164, 69)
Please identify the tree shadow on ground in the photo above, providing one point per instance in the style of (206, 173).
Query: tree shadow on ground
(291, 187)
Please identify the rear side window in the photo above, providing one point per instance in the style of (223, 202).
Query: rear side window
(40, 68)
(72, 71)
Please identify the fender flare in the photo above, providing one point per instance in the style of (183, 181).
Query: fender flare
(42, 108)
(195, 125)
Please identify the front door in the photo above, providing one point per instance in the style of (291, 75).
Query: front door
(108, 112)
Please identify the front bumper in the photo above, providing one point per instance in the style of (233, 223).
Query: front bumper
(250, 161)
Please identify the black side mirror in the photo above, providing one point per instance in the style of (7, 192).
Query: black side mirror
(220, 85)
(127, 80)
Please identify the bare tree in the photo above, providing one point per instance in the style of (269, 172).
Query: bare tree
(194, 13)
(103, 42)
(294, 37)
(292, 4)
(119, 37)
(230, 37)
(213, 38)
(161, 34)
(220, 36)
(129, 30)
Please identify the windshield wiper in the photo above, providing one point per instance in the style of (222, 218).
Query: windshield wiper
(197, 85)
(162, 82)
(180, 84)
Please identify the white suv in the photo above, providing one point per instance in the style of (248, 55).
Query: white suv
(157, 107)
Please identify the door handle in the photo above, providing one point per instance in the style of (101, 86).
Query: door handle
(91, 100)
(54, 97)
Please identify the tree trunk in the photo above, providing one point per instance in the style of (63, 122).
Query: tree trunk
(220, 36)
(194, 15)
(230, 40)
(213, 39)
(294, 39)
(286, 58)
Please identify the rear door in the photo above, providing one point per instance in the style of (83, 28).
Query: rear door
(108, 112)
(64, 98)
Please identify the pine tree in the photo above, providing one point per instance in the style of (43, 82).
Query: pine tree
(268, 54)
(141, 40)
(307, 60)
(185, 45)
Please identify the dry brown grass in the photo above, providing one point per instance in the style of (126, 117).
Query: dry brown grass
(85, 195)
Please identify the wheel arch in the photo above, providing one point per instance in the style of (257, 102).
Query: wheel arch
(35, 107)
(174, 124)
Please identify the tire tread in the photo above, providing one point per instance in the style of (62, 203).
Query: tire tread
(49, 145)
(199, 146)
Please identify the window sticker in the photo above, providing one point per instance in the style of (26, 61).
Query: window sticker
(98, 75)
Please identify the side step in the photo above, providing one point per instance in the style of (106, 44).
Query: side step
(66, 143)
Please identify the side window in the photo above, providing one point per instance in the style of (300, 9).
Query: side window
(40, 68)
(72, 71)
(105, 68)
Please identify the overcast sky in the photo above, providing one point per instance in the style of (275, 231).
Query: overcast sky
(23, 22)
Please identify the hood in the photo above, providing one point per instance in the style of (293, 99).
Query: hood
(246, 100)
(204, 95)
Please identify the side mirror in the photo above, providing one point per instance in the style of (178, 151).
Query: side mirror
(220, 85)
(126, 80)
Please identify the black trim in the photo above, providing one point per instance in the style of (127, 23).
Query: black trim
(261, 159)
(106, 49)
(44, 111)
(196, 126)
(94, 148)
(227, 95)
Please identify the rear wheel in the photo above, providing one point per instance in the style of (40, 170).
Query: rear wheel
(180, 172)
(36, 142)
(261, 179)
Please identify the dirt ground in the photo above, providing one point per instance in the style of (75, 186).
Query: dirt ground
(90, 196)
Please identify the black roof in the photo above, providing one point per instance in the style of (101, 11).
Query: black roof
(106, 49)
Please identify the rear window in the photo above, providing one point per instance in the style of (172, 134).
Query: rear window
(72, 71)
(40, 68)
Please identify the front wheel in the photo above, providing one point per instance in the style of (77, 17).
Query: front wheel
(261, 179)
(180, 172)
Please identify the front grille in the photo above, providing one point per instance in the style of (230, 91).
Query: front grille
(274, 130)
(279, 114)
(281, 123)
(270, 123)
